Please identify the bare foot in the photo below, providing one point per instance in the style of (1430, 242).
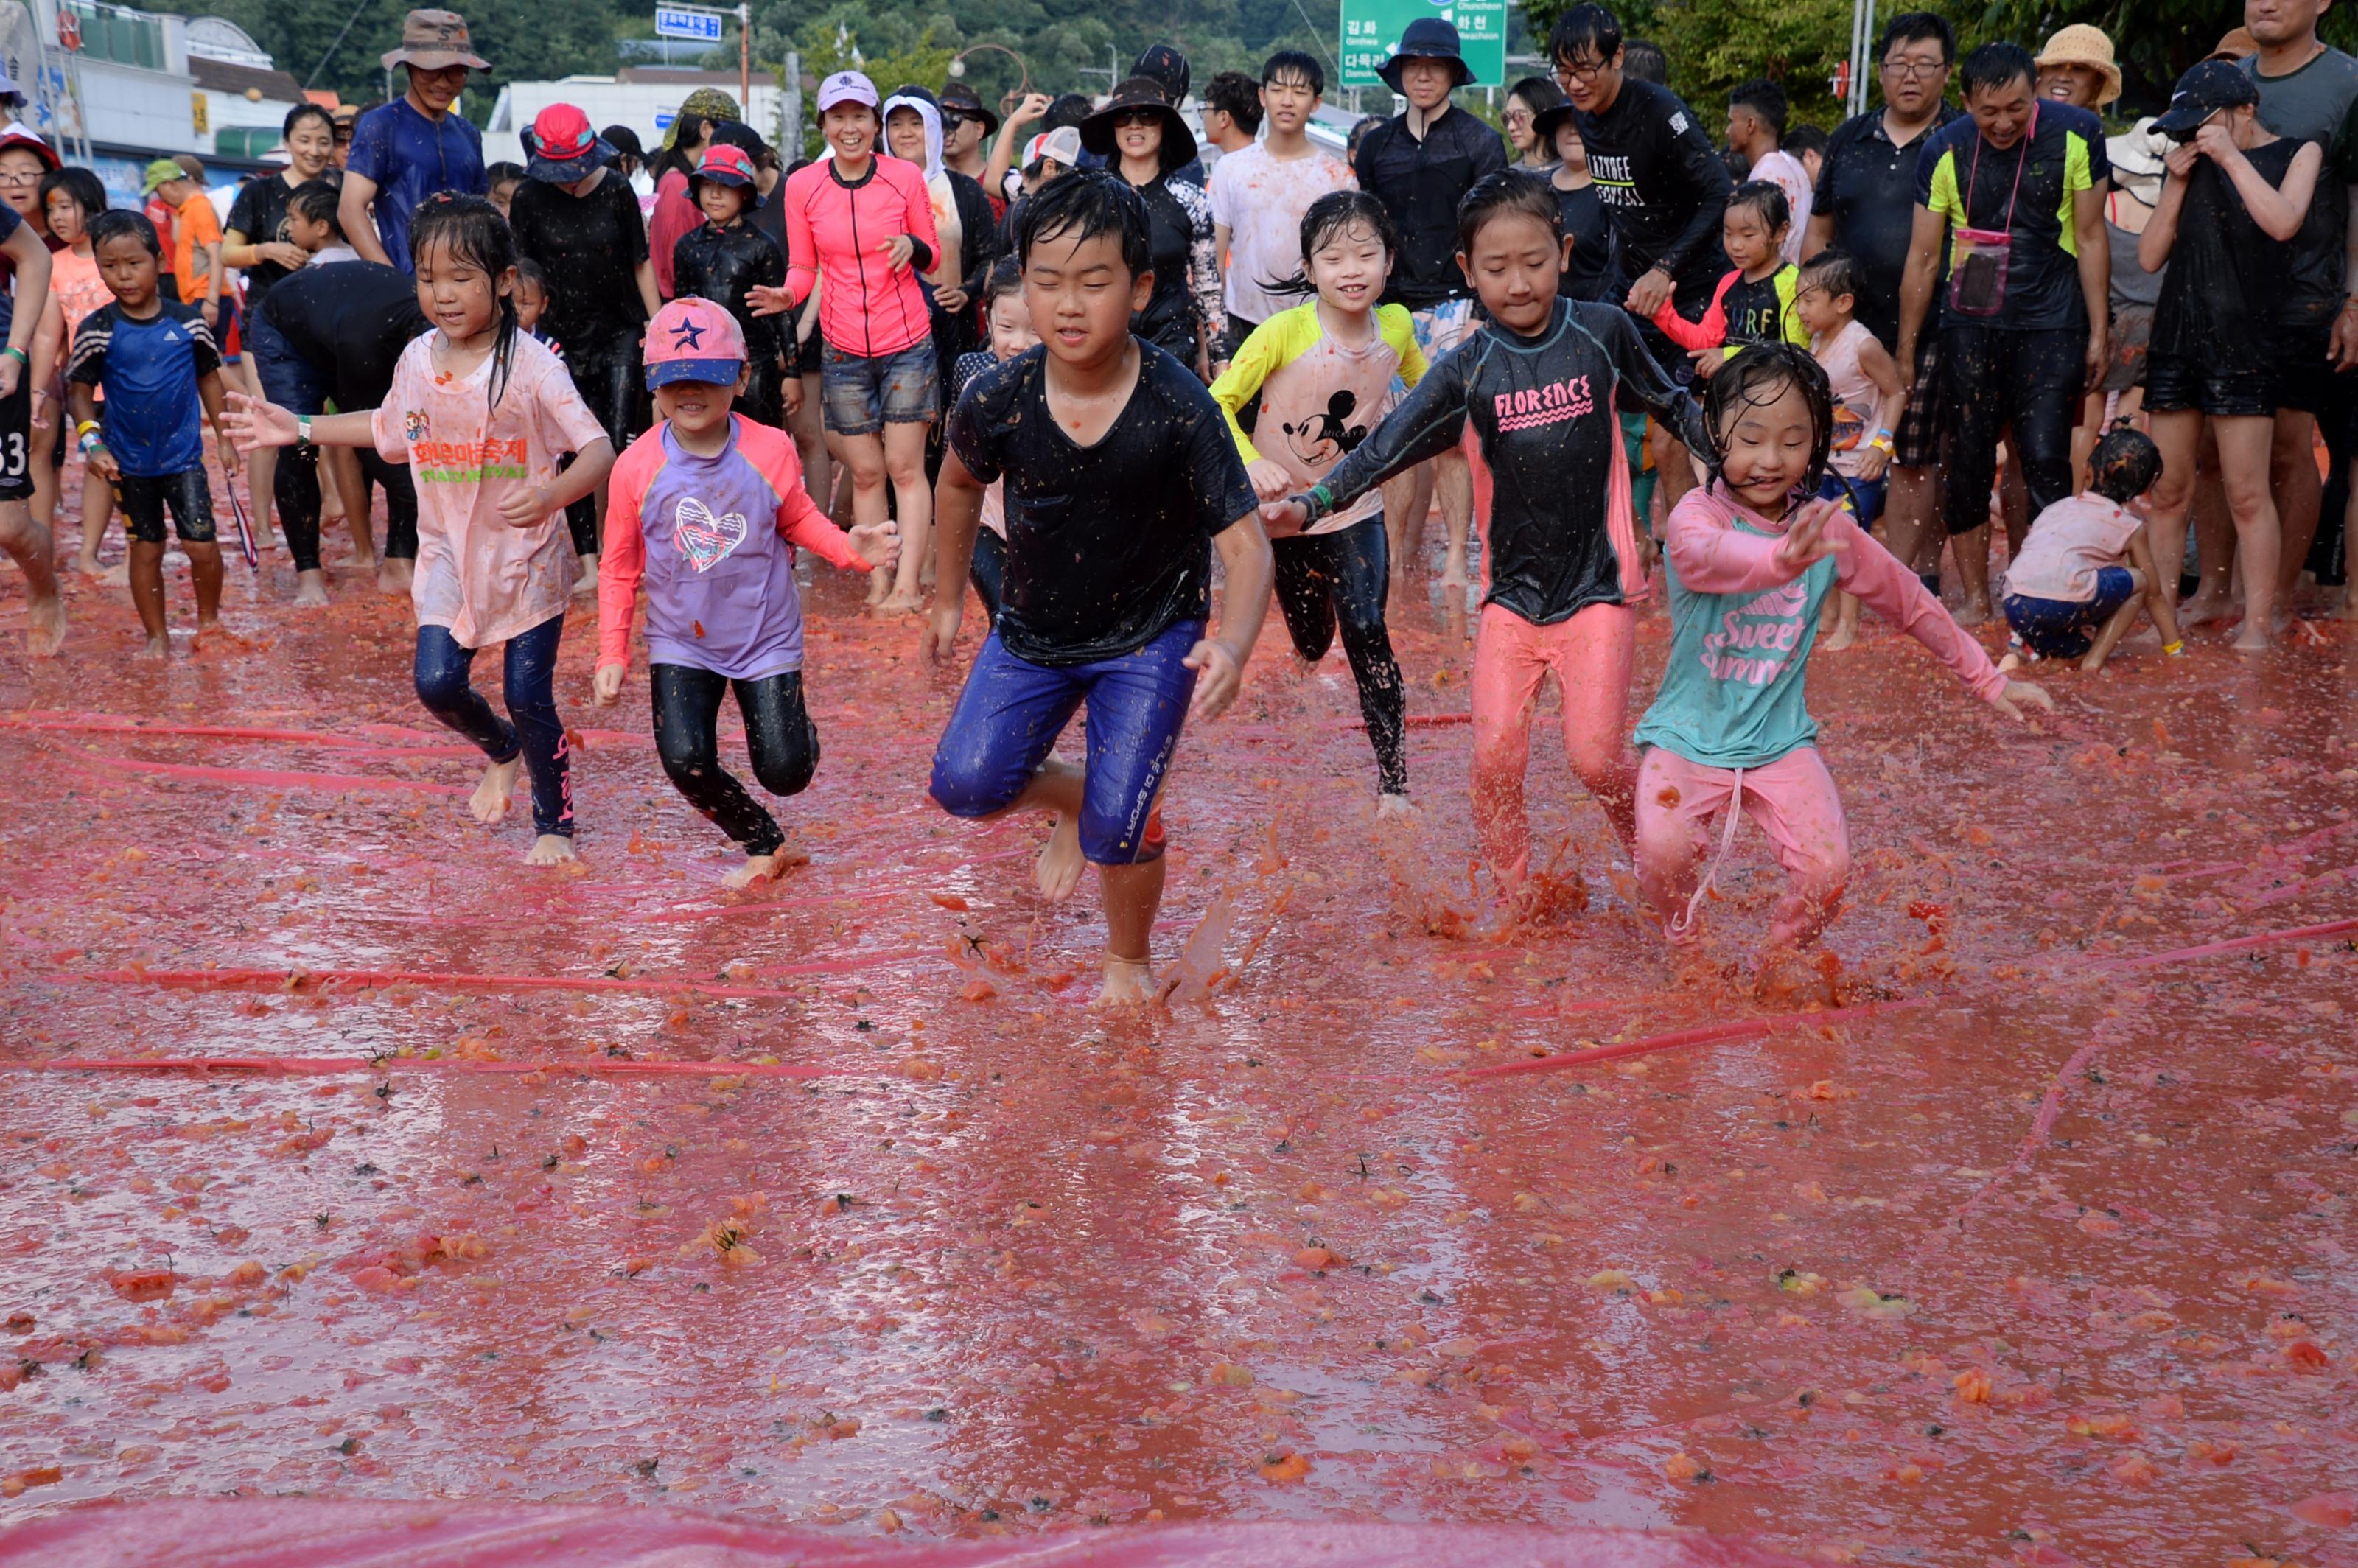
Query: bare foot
(158, 647)
(1973, 611)
(879, 583)
(1842, 637)
(2253, 638)
(899, 603)
(588, 581)
(311, 589)
(1129, 982)
(2204, 608)
(2093, 665)
(551, 849)
(395, 575)
(88, 566)
(116, 575)
(1394, 808)
(488, 804)
(360, 563)
(45, 627)
(767, 868)
(1059, 868)
(1453, 573)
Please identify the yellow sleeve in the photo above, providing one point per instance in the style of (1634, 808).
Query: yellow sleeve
(2078, 176)
(1399, 329)
(1788, 315)
(1273, 344)
(1943, 197)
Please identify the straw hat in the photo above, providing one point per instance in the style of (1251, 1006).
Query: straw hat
(2081, 44)
(2237, 45)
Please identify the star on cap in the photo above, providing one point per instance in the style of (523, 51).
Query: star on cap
(688, 335)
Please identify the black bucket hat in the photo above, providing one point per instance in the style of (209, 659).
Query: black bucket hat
(1549, 119)
(959, 99)
(1166, 68)
(1427, 37)
(1141, 92)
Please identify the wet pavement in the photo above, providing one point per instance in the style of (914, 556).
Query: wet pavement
(2022, 1234)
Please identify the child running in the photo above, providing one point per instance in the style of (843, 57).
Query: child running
(479, 413)
(1121, 478)
(2088, 563)
(1867, 397)
(157, 364)
(1754, 303)
(1749, 558)
(709, 506)
(72, 197)
(1543, 383)
(1009, 322)
(1324, 373)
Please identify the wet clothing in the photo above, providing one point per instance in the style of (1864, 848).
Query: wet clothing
(836, 226)
(987, 567)
(673, 214)
(150, 370)
(260, 214)
(1419, 183)
(188, 495)
(714, 540)
(1180, 249)
(2228, 278)
(1867, 186)
(532, 728)
(1596, 265)
(2022, 385)
(1563, 533)
(2030, 191)
(2184, 384)
(193, 233)
(1793, 803)
(410, 158)
(780, 739)
(2069, 544)
(1261, 201)
(720, 265)
(1319, 398)
(861, 394)
(1011, 711)
(590, 247)
(1108, 546)
(2314, 105)
(2065, 628)
(1326, 582)
(1591, 655)
(1742, 313)
(1664, 184)
(1856, 401)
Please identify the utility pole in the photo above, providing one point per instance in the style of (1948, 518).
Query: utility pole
(745, 58)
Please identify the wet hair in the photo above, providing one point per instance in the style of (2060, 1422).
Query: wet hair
(1238, 96)
(1992, 66)
(1767, 198)
(1081, 206)
(532, 272)
(2123, 466)
(1643, 61)
(498, 174)
(1758, 376)
(472, 230)
(1069, 110)
(1005, 277)
(1328, 216)
(1764, 98)
(116, 224)
(1804, 139)
(80, 186)
(1833, 270)
(1585, 29)
(1914, 28)
(1360, 133)
(1295, 63)
(316, 201)
(1502, 194)
(302, 112)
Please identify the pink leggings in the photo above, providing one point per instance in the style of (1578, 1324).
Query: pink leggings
(1592, 655)
(1792, 800)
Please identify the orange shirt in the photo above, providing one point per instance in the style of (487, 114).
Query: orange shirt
(194, 228)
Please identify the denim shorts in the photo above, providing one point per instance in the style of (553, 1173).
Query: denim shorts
(2061, 629)
(187, 494)
(861, 394)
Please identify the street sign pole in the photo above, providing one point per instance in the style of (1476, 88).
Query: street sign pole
(745, 60)
(1370, 28)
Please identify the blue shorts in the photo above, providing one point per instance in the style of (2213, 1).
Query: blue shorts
(2058, 629)
(861, 394)
(1865, 495)
(1012, 710)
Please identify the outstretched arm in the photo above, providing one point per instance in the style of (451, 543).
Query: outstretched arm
(1429, 421)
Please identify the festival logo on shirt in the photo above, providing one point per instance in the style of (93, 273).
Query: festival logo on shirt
(704, 539)
(1757, 638)
(1327, 438)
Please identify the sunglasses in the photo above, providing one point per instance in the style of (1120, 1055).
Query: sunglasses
(952, 120)
(1137, 117)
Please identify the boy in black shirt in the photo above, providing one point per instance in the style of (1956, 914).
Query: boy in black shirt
(726, 255)
(1120, 474)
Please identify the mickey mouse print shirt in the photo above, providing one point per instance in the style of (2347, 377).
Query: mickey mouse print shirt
(1319, 398)
(714, 538)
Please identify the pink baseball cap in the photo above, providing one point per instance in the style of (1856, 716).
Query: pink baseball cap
(694, 340)
(847, 87)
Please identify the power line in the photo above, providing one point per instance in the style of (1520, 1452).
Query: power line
(340, 43)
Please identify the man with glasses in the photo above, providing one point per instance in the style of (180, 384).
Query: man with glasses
(415, 146)
(1866, 205)
(1663, 186)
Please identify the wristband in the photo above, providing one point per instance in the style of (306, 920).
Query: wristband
(303, 429)
(85, 427)
(22, 357)
(1882, 443)
(2175, 650)
(90, 442)
(1318, 500)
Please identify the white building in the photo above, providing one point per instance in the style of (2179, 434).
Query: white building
(645, 97)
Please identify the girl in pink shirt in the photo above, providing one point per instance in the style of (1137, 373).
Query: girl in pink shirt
(481, 412)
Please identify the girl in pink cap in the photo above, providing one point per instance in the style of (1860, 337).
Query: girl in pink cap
(707, 507)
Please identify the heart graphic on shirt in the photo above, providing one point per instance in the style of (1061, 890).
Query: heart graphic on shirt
(704, 539)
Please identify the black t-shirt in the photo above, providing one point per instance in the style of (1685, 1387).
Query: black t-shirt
(1867, 187)
(1419, 184)
(1172, 210)
(1108, 546)
(260, 214)
(2227, 278)
(349, 321)
(2030, 190)
(591, 246)
(1665, 186)
(1754, 312)
(1594, 264)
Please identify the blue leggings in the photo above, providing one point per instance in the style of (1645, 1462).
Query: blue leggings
(443, 671)
(1011, 711)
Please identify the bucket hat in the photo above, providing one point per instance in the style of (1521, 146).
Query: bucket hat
(704, 103)
(1166, 68)
(1427, 37)
(435, 40)
(964, 102)
(560, 149)
(694, 340)
(1141, 92)
(2136, 156)
(726, 165)
(2081, 44)
(18, 136)
(2237, 44)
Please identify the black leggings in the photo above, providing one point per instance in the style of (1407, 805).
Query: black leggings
(295, 488)
(779, 735)
(607, 372)
(2023, 386)
(1323, 579)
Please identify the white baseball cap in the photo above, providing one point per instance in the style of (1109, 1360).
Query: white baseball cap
(847, 87)
(1063, 144)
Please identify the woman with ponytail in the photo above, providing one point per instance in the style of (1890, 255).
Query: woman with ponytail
(481, 413)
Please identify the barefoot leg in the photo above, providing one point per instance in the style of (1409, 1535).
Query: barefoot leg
(147, 595)
(904, 465)
(34, 550)
(551, 849)
(1453, 479)
(2117, 627)
(489, 805)
(1133, 894)
(205, 573)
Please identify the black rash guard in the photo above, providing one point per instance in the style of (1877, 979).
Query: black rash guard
(1546, 411)
(1419, 183)
(720, 265)
(1664, 184)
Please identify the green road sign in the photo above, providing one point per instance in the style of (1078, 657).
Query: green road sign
(1370, 28)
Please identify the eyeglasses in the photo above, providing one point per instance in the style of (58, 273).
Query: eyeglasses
(1579, 71)
(1517, 116)
(1915, 70)
(20, 179)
